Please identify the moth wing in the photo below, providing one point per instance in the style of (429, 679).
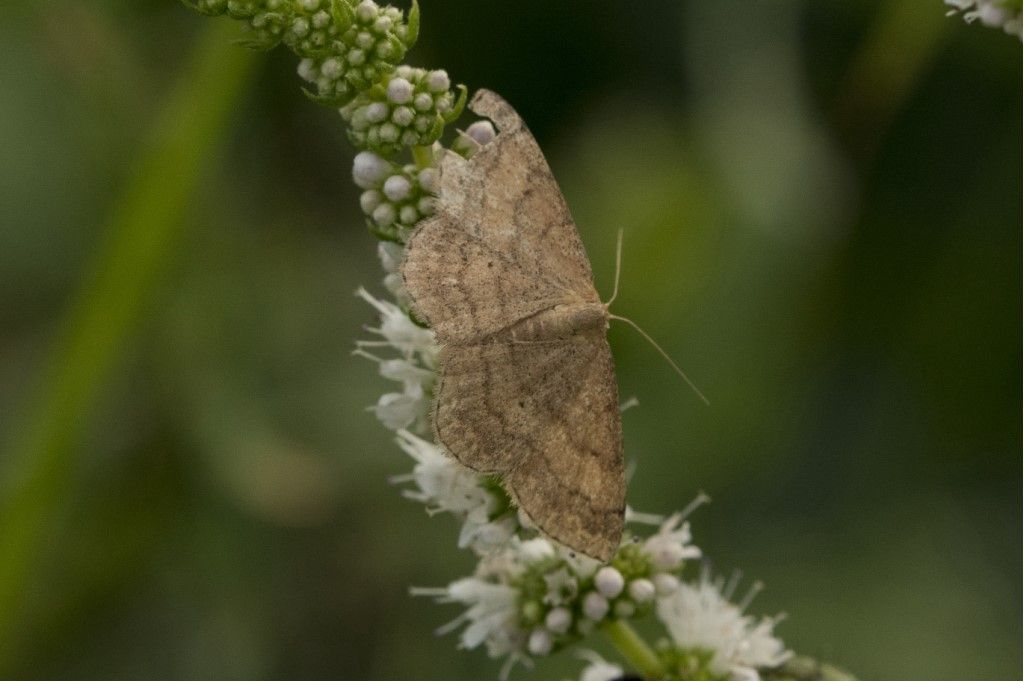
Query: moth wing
(545, 415)
(466, 288)
(502, 245)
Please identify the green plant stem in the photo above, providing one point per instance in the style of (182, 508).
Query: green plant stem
(898, 47)
(423, 156)
(634, 649)
(145, 226)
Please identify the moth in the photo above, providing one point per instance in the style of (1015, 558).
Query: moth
(527, 385)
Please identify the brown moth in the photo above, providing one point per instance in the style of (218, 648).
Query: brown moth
(527, 386)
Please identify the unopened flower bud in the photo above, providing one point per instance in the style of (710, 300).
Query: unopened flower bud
(559, 620)
(384, 215)
(369, 200)
(609, 582)
(540, 642)
(481, 131)
(399, 90)
(641, 590)
(369, 169)
(437, 81)
(595, 607)
(408, 215)
(397, 187)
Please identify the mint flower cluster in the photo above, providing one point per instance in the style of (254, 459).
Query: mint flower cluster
(345, 48)
(410, 108)
(528, 597)
(394, 197)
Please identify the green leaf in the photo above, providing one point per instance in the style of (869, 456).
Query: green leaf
(435, 130)
(328, 100)
(264, 45)
(343, 14)
(459, 105)
(398, 49)
(385, 234)
(412, 25)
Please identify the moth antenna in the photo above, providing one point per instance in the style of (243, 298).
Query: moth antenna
(618, 268)
(665, 355)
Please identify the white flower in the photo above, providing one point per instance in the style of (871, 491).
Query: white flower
(493, 600)
(398, 330)
(443, 483)
(402, 410)
(701, 617)
(598, 669)
(562, 587)
(391, 255)
(670, 546)
(484, 535)
(665, 584)
(492, 615)
(991, 13)
(535, 549)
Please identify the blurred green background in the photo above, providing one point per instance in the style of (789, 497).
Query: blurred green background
(822, 214)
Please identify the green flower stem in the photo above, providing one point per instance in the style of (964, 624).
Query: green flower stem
(902, 41)
(634, 649)
(423, 156)
(145, 227)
